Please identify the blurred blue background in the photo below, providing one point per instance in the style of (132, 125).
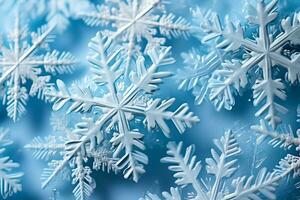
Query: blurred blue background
(212, 124)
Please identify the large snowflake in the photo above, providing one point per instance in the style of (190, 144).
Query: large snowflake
(134, 20)
(24, 59)
(9, 180)
(116, 106)
(220, 169)
(263, 54)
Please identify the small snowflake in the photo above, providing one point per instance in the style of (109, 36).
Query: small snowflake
(24, 59)
(134, 20)
(221, 168)
(9, 181)
(263, 54)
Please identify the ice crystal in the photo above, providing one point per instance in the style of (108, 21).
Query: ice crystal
(264, 52)
(133, 20)
(221, 167)
(54, 148)
(114, 105)
(56, 12)
(9, 180)
(25, 60)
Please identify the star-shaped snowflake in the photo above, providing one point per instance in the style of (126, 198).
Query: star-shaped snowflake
(24, 59)
(134, 20)
(116, 106)
(264, 53)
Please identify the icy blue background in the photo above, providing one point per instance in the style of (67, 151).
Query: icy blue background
(158, 178)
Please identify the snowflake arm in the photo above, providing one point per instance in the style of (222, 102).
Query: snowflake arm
(84, 182)
(197, 72)
(186, 168)
(9, 181)
(285, 139)
(45, 148)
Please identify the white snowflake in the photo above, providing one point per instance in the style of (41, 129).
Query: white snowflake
(264, 53)
(116, 109)
(9, 180)
(24, 59)
(134, 20)
(54, 148)
(220, 169)
(56, 12)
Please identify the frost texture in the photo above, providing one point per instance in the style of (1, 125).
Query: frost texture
(9, 180)
(25, 59)
(54, 148)
(221, 168)
(263, 53)
(133, 20)
(115, 106)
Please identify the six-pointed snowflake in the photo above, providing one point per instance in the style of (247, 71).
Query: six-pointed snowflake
(134, 20)
(265, 52)
(25, 60)
(116, 107)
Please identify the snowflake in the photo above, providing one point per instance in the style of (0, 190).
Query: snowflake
(56, 12)
(134, 20)
(53, 147)
(220, 168)
(262, 55)
(115, 108)
(23, 63)
(9, 181)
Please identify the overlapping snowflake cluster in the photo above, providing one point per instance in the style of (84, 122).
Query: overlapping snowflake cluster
(260, 53)
(117, 99)
(221, 167)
